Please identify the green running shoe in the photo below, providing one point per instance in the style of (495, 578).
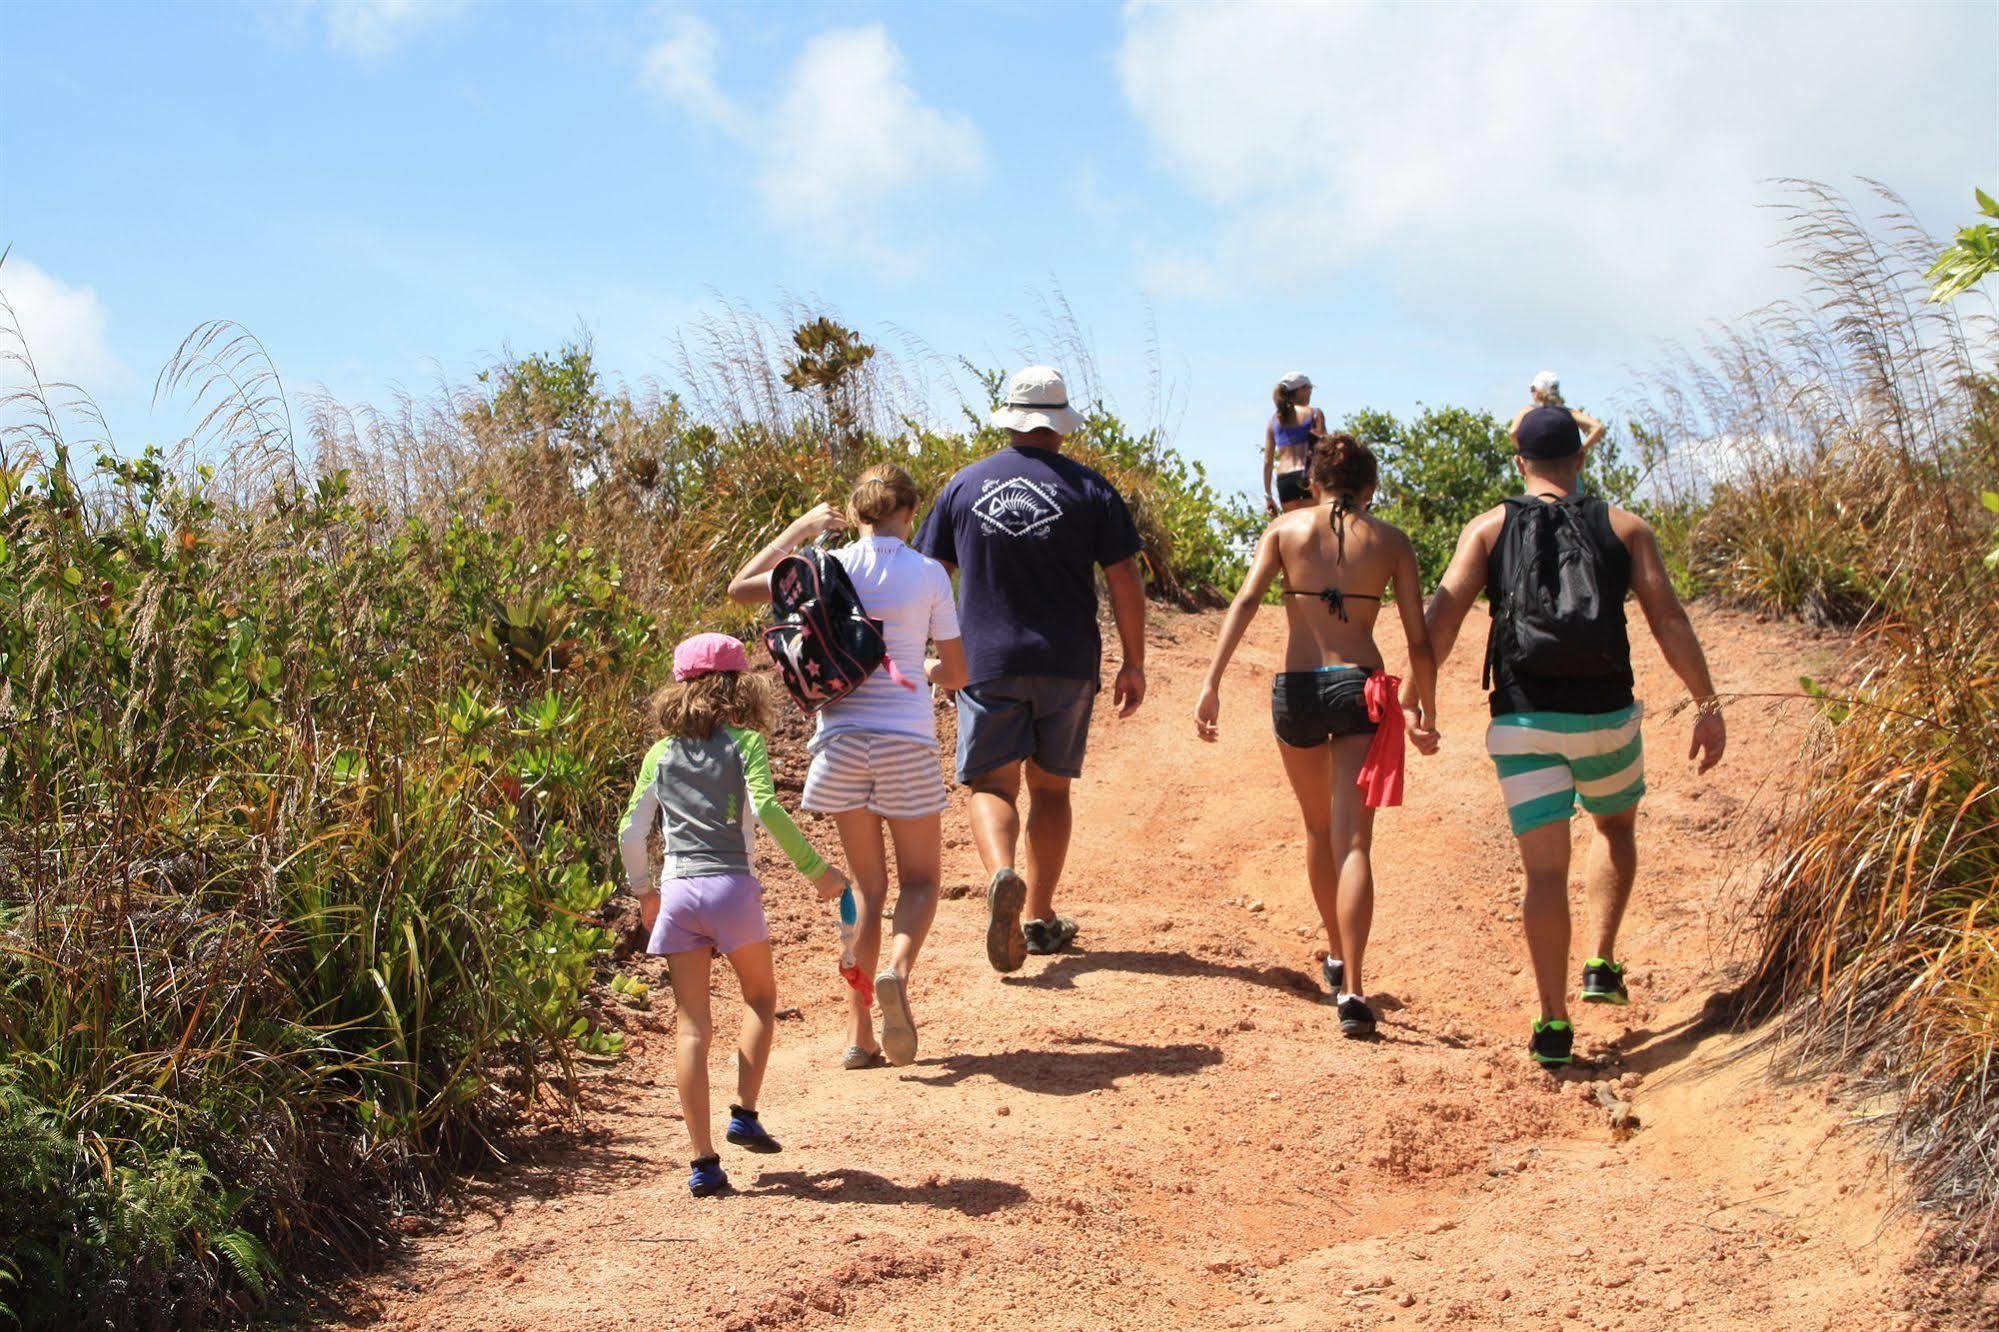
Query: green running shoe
(1603, 982)
(1553, 1043)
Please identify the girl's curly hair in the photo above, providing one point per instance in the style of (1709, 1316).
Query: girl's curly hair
(695, 709)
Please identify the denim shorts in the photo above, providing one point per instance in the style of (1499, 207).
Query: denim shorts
(1013, 717)
(1309, 708)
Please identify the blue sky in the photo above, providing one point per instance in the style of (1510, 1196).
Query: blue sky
(1412, 203)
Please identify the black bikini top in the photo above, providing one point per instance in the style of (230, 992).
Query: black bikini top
(1336, 600)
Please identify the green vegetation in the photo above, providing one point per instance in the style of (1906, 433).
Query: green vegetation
(1835, 452)
(308, 780)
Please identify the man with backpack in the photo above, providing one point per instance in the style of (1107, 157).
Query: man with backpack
(1026, 530)
(1556, 564)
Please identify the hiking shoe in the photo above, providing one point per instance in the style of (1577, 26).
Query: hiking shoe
(748, 1133)
(1553, 1043)
(1356, 1018)
(707, 1178)
(1335, 972)
(898, 1030)
(1603, 982)
(1048, 936)
(1005, 896)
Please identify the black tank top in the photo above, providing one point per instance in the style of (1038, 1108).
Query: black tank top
(1514, 691)
(1548, 432)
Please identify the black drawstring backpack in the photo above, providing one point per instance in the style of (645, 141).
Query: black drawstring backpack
(1551, 617)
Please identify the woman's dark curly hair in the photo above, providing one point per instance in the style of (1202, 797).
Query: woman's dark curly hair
(1344, 466)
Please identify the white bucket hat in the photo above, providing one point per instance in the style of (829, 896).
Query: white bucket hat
(1294, 381)
(1038, 399)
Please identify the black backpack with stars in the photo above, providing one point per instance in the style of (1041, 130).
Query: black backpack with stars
(823, 640)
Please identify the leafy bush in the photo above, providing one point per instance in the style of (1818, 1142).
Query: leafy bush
(298, 871)
(1838, 449)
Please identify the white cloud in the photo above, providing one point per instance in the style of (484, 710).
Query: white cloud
(1600, 164)
(373, 29)
(846, 136)
(63, 329)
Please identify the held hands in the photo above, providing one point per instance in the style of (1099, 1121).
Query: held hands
(1422, 730)
(831, 883)
(1207, 714)
(1710, 737)
(1129, 689)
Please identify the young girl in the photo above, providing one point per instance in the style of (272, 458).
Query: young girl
(705, 781)
(874, 753)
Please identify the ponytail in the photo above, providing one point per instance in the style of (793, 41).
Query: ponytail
(1287, 406)
(882, 490)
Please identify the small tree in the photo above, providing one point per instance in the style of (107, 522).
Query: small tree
(830, 357)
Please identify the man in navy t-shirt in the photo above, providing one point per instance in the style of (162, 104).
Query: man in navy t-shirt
(1026, 531)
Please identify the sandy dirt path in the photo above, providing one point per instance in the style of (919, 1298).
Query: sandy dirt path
(1164, 1129)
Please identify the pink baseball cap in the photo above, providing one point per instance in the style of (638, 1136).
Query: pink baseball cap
(704, 654)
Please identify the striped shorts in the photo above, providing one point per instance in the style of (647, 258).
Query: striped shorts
(1547, 759)
(891, 775)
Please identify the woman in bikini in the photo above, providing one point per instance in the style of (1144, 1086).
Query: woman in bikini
(1333, 696)
(1295, 429)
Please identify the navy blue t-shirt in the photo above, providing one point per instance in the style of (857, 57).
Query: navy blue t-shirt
(1027, 529)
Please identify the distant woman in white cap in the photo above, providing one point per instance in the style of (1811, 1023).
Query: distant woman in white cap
(1294, 430)
(1547, 416)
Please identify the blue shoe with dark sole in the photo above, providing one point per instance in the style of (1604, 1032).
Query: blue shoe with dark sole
(748, 1133)
(707, 1178)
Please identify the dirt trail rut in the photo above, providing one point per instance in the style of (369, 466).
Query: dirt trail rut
(1164, 1129)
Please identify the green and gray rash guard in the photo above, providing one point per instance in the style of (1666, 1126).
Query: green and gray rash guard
(708, 794)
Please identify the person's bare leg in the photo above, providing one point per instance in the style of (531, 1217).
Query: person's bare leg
(753, 972)
(1050, 819)
(867, 870)
(688, 973)
(1352, 843)
(1311, 775)
(1608, 873)
(1544, 912)
(996, 817)
(919, 870)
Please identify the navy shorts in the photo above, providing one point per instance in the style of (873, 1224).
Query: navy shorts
(1014, 717)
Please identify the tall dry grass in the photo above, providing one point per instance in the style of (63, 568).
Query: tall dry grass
(1836, 448)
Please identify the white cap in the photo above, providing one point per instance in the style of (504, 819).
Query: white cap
(1545, 383)
(1294, 381)
(1038, 399)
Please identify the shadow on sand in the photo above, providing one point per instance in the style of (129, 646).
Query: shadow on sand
(967, 1197)
(1061, 973)
(1083, 1064)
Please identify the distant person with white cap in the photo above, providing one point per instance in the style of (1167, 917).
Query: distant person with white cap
(1295, 429)
(1026, 530)
(1546, 421)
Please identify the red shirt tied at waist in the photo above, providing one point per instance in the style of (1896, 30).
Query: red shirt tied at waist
(1381, 774)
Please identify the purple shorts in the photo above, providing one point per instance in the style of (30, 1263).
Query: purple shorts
(719, 911)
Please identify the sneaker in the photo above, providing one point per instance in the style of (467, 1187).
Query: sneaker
(898, 1029)
(748, 1132)
(1048, 936)
(1335, 972)
(1553, 1042)
(1356, 1018)
(1603, 982)
(707, 1178)
(1005, 897)
(857, 1058)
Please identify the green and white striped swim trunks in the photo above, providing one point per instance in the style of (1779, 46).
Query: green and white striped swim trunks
(1547, 759)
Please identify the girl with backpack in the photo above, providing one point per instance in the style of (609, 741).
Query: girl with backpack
(701, 784)
(874, 751)
(1339, 722)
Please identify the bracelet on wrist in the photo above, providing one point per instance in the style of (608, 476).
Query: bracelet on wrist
(1708, 707)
